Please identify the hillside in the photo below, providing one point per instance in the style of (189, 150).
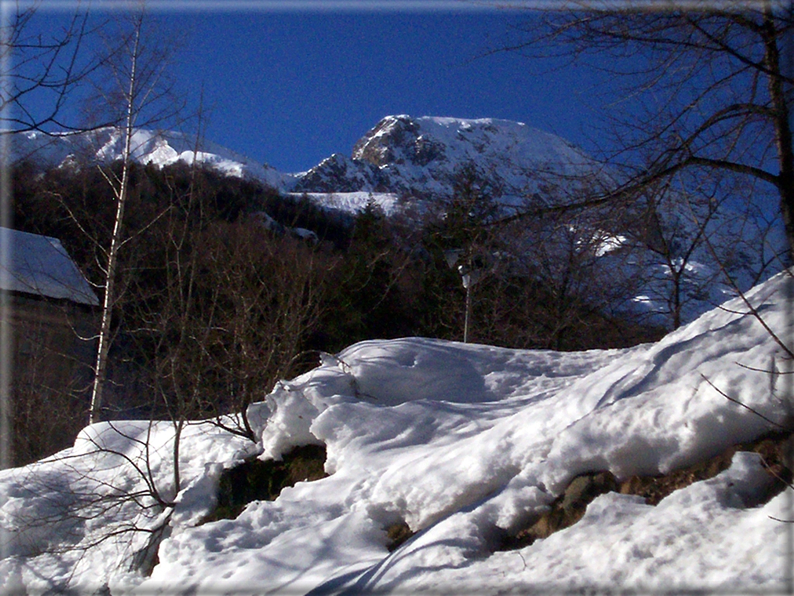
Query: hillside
(160, 148)
(413, 164)
(440, 458)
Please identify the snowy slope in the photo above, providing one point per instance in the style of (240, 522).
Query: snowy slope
(463, 443)
(160, 148)
(354, 201)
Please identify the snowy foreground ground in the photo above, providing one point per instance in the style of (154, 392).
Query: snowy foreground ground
(462, 442)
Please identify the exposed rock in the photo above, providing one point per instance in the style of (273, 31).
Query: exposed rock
(338, 174)
(427, 150)
(397, 534)
(775, 450)
(386, 142)
(566, 510)
(584, 489)
(256, 480)
(772, 449)
(421, 157)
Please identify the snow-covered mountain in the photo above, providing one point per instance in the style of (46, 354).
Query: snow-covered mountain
(401, 157)
(463, 449)
(421, 157)
(161, 148)
(404, 160)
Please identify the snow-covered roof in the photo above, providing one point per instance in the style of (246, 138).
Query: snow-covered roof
(40, 265)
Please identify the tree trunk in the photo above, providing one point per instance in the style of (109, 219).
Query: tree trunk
(103, 349)
(782, 124)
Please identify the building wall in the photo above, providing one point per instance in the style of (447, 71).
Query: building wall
(50, 391)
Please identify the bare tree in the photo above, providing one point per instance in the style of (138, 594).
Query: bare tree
(708, 87)
(136, 73)
(240, 305)
(684, 234)
(42, 72)
(672, 231)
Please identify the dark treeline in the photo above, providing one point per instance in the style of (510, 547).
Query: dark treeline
(217, 303)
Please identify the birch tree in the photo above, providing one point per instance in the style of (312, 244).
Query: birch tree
(138, 87)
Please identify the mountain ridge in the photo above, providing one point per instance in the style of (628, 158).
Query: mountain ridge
(161, 148)
(415, 158)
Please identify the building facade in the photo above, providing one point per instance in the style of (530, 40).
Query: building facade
(52, 314)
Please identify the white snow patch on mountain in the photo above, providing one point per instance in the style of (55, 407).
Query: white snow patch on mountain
(353, 202)
(161, 148)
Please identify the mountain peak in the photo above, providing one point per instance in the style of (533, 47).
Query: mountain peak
(421, 156)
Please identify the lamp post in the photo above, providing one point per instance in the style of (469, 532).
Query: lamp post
(471, 271)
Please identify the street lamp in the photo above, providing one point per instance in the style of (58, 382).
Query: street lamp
(471, 271)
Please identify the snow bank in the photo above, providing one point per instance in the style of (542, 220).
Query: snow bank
(78, 518)
(464, 443)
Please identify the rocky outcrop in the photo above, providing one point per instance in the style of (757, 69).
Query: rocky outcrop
(399, 140)
(387, 142)
(257, 480)
(570, 506)
(338, 173)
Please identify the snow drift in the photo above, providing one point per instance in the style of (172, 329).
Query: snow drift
(461, 443)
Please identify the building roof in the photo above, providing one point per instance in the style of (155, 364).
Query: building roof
(40, 265)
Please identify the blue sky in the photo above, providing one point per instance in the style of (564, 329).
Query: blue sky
(288, 84)
(291, 88)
